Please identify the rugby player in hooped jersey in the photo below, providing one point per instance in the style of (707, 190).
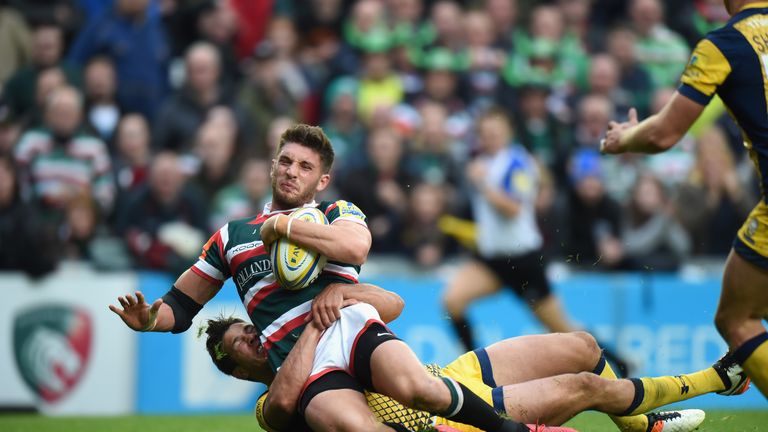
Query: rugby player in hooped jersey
(332, 398)
(732, 62)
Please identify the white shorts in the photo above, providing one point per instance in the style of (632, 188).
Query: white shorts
(334, 351)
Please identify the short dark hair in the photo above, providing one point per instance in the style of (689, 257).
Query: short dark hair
(311, 137)
(215, 331)
(495, 112)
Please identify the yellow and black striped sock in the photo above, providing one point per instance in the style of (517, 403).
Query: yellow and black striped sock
(636, 423)
(753, 357)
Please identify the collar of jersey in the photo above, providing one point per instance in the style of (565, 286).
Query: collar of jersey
(268, 208)
(753, 6)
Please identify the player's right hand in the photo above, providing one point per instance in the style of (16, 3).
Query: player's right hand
(136, 312)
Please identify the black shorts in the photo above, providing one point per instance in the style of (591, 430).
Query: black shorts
(373, 336)
(524, 274)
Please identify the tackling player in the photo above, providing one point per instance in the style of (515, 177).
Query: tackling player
(541, 378)
(731, 61)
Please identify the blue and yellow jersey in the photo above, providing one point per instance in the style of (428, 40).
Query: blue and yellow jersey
(732, 62)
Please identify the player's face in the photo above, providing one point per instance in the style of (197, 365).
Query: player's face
(297, 175)
(241, 342)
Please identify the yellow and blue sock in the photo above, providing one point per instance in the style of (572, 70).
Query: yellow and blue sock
(636, 423)
(654, 392)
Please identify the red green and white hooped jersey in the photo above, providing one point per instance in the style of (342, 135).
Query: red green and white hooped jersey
(236, 251)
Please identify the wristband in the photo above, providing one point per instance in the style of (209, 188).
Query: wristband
(288, 230)
(274, 227)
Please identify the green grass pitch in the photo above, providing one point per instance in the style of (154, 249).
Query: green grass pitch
(717, 421)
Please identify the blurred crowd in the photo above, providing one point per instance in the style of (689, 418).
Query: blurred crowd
(131, 129)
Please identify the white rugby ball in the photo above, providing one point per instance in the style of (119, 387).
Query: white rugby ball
(296, 267)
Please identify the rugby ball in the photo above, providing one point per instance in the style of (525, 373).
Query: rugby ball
(296, 267)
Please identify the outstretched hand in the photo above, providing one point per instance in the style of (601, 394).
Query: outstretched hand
(136, 313)
(611, 143)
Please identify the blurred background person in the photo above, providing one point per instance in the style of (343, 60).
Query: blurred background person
(653, 239)
(425, 243)
(343, 127)
(245, 197)
(9, 129)
(165, 221)
(61, 160)
(29, 242)
(593, 228)
(539, 131)
(265, 93)
(46, 52)
(134, 39)
(662, 52)
(379, 189)
(102, 111)
(714, 202)
(132, 157)
(634, 80)
(218, 167)
(183, 113)
(15, 41)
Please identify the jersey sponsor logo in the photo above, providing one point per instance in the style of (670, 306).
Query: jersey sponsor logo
(253, 269)
(52, 345)
(243, 247)
(348, 209)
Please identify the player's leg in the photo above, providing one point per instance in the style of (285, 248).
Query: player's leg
(526, 275)
(550, 313)
(554, 400)
(743, 306)
(526, 358)
(335, 402)
(396, 372)
(474, 280)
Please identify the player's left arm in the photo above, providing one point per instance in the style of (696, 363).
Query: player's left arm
(342, 240)
(278, 410)
(346, 239)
